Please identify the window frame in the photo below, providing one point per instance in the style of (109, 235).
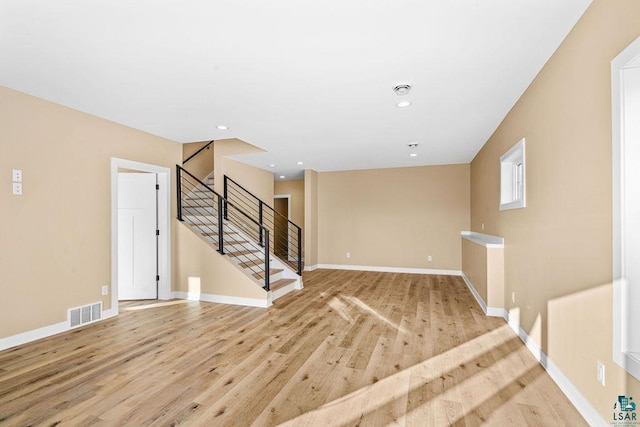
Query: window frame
(513, 177)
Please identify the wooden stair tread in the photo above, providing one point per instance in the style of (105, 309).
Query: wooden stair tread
(272, 272)
(242, 252)
(232, 242)
(280, 284)
(253, 263)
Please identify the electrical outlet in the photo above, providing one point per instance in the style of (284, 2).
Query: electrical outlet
(17, 189)
(429, 258)
(600, 373)
(348, 254)
(105, 290)
(17, 175)
(482, 226)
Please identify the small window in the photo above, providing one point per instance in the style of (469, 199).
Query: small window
(512, 178)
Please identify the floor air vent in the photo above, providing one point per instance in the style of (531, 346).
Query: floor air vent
(86, 314)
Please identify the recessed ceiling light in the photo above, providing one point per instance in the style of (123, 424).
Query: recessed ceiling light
(300, 163)
(414, 154)
(403, 104)
(222, 127)
(282, 177)
(402, 88)
(272, 165)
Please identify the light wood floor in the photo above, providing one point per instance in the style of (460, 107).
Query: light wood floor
(352, 348)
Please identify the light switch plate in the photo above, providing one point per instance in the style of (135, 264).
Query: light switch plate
(17, 189)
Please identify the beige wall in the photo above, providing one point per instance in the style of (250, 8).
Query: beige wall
(558, 250)
(203, 270)
(202, 164)
(56, 238)
(256, 180)
(393, 217)
(474, 266)
(310, 228)
(296, 190)
(484, 267)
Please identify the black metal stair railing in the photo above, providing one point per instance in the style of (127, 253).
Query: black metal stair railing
(286, 242)
(223, 224)
(206, 147)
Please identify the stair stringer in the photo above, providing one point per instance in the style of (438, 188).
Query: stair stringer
(294, 281)
(275, 263)
(207, 275)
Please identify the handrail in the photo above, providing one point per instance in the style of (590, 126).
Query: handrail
(222, 208)
(259, 205)
(228, 178)
(226, 201)
(197, 152)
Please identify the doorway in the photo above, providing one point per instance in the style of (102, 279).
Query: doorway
(281, 240)
(160, 252)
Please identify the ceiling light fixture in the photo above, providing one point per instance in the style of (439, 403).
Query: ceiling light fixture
(402, 89)
(222, 127)
(403, 104)
(412, 146)
(300, 163)
(282, 177)
(272, 165)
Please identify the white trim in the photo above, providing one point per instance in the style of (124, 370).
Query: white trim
(310, 267)
(486, 240)
(590, 414)
(289, 235)
(280, 292)
(164, 225)
(388, 269)
(496, 312)
(33, 335)
(508, 189)
(488, 311)
(45, 332)
(620, 303)
(223, 299)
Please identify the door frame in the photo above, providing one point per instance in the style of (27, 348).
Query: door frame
(164, 225)
(289, 236)
(628, 58)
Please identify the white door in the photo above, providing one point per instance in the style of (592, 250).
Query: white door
(137, 239)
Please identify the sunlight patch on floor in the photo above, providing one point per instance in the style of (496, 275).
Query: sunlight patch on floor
(342, 309)
(370, 310)
(155, 305)
(388, 389)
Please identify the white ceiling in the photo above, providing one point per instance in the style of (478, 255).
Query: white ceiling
(306, 81)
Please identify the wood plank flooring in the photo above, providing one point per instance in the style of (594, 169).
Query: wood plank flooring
(352, 348)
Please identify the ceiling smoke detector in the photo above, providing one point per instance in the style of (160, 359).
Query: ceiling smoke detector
(402, 89)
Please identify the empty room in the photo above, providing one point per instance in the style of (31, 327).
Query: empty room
(343, 213)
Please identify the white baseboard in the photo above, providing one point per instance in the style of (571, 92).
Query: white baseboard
(45, 331)
(488, 311)
(36, 334)
(388, 269)
(583, 406)
(590, 414)
(310, 267)
(223, 299)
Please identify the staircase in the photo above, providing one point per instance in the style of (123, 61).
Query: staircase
(234, 234)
